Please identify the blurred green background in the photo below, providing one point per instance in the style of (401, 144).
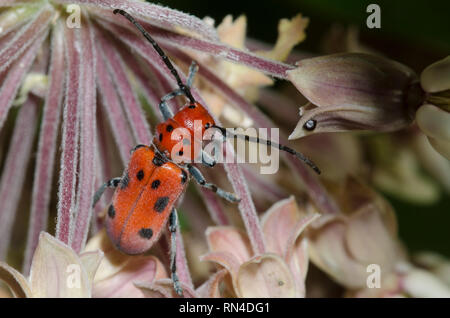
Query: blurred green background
(415, 33)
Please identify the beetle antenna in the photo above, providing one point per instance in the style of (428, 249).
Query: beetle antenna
(270, 143)
(161, 53)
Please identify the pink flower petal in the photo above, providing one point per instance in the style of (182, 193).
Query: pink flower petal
(57, 271)
(210, 288)
(422, 284)
(298, 261)
(282, 225)
(114, 260)
(25, 36)
(328, 251)
(13, 176)
(231, 240)
(246, 205)
(11, 20)
(163, 288)
(135, 115)
(15, 281)
(114, 111)
(296, 253)
(163, 16)
(14, 76)
(182, 267)
(278, 224)
(70, 135)
(213, 47)
(43, 172)
(369, 241)
(265, 276)
(138, 45)
(267, 66)
(225, 259)
(88, 124)
(147, 82)
(298, 230)
(122, 284)
(91, 261)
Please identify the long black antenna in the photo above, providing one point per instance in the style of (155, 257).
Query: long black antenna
(161, 53)
(269, 143)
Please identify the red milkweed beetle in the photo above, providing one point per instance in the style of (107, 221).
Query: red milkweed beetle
(147, 191)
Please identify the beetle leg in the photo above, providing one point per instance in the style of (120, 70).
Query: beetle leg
(201, 181)
(192, 71)
(207, 160)
(173, 225)
(113, 183)
(164, 108)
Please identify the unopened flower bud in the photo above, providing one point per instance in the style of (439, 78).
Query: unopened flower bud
(433, 118)
(355, 91)
(436, 77)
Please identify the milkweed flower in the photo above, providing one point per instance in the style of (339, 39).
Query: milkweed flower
(280, 271)
(363, 240)
(86, 69)
(433, 118)
(74, 64)
(56, 271)
(118, 275)
(364, 233)
(99, 271)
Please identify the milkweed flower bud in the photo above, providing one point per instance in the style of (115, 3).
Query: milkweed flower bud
(435, 123)
(436, 77)
(355, 91)
(433, 118)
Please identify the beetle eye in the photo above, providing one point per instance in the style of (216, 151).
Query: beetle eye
(207, 125)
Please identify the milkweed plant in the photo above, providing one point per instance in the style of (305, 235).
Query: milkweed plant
(80, 87)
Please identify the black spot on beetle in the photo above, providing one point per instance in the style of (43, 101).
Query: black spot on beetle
(146, 233)
(169, 128)
(160, 137)
(140, 175)
(180, 153)
(155, 184)
(158, 160)
(124, 181)
(161, 204)
(192, 106)
(111, 212)
(183, 176)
